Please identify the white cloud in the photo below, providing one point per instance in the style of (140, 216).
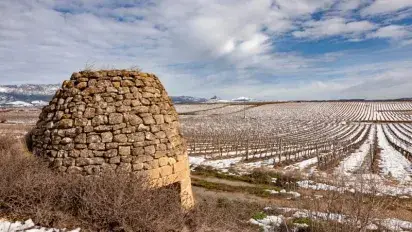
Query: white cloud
(392, 31)
(195, 46)
(406, 42)
(296, 8)
(378, 81)
(333, 27)
(394, 83)
(254, 45)
(346, 5)
(386, 6)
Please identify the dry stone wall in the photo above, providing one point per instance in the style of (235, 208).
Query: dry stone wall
(111, 121)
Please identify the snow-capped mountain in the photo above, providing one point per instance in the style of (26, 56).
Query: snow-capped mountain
(243, 99)
(26, 95)
(35, 95)
(216, 99)
(187, 99)
(30, 89)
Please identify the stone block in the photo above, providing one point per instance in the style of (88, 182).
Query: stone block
(94, 139)
(166, 171)
(150, 150)
(115, 118)
(114, 160)
(107, 137)
(111, 153)
(163, 161)
(120, 138)
(124, 150)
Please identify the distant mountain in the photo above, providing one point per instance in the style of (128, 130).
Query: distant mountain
(30, 89)
(187, 99)
(27, 95)
(243, 99)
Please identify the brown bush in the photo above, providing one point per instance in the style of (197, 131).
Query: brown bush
(29, 189)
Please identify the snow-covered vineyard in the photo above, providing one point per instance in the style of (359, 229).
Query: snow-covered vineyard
(351, 139)
(334, 147)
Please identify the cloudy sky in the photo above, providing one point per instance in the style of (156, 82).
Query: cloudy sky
(265, 49)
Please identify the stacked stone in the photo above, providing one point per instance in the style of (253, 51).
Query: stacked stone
(113, 120)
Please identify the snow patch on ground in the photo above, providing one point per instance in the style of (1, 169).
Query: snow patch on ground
(391, 224)
(394, 224)
(367, 183)
(355, 160)
(28, 226)
(221, 164)
(393, 163)
(268, 222)
(303, 164)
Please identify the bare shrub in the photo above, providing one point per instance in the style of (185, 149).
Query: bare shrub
(222, 215)
(89, 66)
(345, 210)
(29, 141)
(135, 68)
(29, 189)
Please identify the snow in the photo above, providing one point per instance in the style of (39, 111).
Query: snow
(388, 130)
(303, 164)
(19, 103)
(29, 226)
(309, 184)
(367, 183)
(271, 191)
(355, 160)
(393, 163)
(301, 225)
(283, 191)
(243, 99)
(196, 160)
(221, 164)
(319, 215)
(396, 224)
(39, 103)
(392, 224)
(4, 89)
(268, 222)
(294, 194)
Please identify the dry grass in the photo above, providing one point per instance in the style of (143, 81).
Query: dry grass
(29, 189)
(360, 208)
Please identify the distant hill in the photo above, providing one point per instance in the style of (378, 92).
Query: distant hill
(26, 95)
(243, 99)
(187, 99)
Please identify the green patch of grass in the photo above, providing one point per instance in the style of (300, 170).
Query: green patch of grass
(306, 221)
(259, 216)
(254, 190)
(257, 176)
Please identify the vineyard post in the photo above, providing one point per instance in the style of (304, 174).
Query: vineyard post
(247, 148)
(280, 149)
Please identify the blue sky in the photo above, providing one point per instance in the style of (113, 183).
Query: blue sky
(265, 49)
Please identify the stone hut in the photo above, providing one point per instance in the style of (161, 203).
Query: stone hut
(114, 120)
